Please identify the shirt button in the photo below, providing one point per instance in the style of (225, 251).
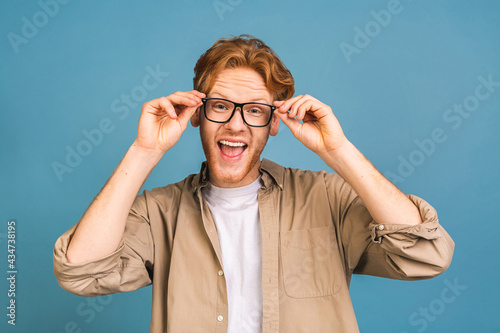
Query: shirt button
(220, 272)
(220, 318)
(381, 227)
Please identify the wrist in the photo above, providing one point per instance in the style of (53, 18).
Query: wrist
(343, 157)
(151, 156)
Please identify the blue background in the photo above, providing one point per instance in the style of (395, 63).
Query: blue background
(393, 91)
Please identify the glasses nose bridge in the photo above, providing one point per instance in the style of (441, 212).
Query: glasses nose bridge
(236, 106)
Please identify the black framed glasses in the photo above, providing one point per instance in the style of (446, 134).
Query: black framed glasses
(220, 110)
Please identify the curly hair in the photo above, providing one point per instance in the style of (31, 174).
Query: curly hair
(248, 52)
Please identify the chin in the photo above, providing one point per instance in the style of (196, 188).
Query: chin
(223, 173)
(226, 170)
(231, 174)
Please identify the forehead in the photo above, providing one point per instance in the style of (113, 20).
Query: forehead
(240, 85)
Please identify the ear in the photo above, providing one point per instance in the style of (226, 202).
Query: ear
(195, 118)
(275, 124)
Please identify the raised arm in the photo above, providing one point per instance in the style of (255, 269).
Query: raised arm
(161, 124)
(321, 132)
(386, 233)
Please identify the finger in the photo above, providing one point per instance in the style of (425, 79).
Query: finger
(186, 94)
(278, 103)
(288, 103)
(291, 123)
(180, 100)
(287, 106)
(198, 93)
(296, 107)
(164, 104)
(292, 112)
(187, 113)
(191, 94)
(304, 108)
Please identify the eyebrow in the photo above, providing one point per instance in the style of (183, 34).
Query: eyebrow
(255, 99)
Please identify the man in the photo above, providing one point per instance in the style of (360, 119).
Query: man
(248, 245)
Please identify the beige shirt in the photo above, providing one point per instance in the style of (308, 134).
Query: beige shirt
(316, 232)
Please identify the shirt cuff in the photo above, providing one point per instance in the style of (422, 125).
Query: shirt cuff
(428, 229)
(66, 271)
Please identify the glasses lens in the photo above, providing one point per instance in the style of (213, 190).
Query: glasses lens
(257, 114)
(218, 110)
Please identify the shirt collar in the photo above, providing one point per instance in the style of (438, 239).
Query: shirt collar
(272, 173)
(201, 179)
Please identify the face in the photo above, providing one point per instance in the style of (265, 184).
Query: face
(233, 149)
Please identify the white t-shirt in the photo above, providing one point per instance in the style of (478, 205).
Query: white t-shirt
(236, 216)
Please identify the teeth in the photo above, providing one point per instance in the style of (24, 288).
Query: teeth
(232, 144)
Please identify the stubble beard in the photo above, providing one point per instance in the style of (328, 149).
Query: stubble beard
(215, 171)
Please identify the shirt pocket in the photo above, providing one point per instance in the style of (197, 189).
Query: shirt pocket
(310, 262)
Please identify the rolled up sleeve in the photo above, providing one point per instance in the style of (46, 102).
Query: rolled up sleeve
(128, 268)
(398, 251)
(418, 251)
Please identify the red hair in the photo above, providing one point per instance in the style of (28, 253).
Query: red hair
(244, 51)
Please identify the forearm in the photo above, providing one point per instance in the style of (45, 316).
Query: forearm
(385, 202)
(101, 229)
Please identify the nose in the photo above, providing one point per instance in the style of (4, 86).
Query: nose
(236, 123)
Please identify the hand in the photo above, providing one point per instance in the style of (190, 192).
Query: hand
(163, 120)
(320, 130)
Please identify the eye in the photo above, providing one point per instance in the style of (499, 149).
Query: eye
(220, 106)
(256, 110)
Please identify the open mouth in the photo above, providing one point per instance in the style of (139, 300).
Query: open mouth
(232, 150)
